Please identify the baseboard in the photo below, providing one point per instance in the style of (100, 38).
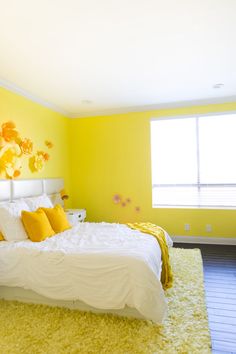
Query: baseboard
(205, 240)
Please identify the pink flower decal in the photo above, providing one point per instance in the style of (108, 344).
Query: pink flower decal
(125, 202)
(116, 199)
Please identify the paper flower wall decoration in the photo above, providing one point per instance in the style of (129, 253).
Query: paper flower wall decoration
(49, 144)
(9, 132)
(26, 146)
(37, 161)
(64, 195)
(14, 148)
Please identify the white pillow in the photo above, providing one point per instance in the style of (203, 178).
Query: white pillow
(36, 202)
(10, 221)
(56, 199)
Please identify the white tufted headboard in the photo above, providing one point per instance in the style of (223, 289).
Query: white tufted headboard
(5, 190)
(22, 188)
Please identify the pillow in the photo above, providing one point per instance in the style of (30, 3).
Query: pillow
(10, 222)
(36, 202)
(57, 218)
(1, 237)
(36, 225)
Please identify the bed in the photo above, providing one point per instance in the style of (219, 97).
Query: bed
(100, 267)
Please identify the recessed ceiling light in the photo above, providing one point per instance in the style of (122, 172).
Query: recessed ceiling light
(218, 86)
(86, 102)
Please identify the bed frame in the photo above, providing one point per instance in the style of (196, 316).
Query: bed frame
(29, 296)
(11, 190)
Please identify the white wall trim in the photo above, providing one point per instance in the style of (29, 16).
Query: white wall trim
(205, 240)
(119, 110)
(167, 105)
(18, 90)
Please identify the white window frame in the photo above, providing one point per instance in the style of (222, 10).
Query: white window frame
(198, 184)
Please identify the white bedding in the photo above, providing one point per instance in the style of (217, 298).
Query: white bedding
(105, 265)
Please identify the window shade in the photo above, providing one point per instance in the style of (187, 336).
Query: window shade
(193, 162)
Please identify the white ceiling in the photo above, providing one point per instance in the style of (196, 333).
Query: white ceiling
(122, 55)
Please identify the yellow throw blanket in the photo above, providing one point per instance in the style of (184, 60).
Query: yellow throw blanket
(159, 234)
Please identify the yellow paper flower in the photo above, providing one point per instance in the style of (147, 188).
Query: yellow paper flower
(10, 161)
(44, 154)
(49, 144)
(37, 162)
(9, 132)
(16, 173)
(26, 146)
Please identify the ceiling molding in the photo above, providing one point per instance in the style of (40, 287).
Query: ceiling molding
(18, 90)
(120, 110)
(161, 106)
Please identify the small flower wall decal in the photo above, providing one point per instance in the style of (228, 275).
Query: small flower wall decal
(116, 199)
(124, 202)
(13, 148)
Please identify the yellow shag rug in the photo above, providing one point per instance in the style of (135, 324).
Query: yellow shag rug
(40, 329)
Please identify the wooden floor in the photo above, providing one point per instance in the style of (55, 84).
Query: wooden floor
(220, 287)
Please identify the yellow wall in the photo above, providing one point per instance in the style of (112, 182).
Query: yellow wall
(39, 124)
(111, 155)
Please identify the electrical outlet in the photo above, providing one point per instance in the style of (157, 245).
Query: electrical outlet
(208, 228)
(186, 227)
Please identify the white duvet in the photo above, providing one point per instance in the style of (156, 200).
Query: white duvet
(104, 265)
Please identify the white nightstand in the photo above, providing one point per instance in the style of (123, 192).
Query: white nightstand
(75, 215)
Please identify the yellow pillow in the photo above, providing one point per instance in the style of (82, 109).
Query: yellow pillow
(57, 218)
(36, 225)
(1, 237)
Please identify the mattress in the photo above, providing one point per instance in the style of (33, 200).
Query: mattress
(107, 266)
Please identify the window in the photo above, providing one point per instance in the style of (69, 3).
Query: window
(194, 161)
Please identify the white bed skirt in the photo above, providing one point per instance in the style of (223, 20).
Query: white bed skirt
(29, 296)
